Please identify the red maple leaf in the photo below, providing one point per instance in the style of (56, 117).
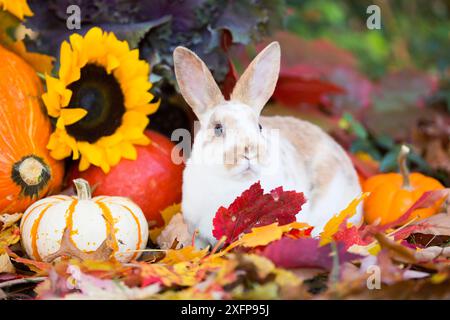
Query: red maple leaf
(350, 236)
(253, 209)
(294, 88)
(296, 233)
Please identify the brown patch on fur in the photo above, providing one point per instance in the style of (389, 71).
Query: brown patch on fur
(237, 150)
(309, 141)
(324, 172)
(304, 136)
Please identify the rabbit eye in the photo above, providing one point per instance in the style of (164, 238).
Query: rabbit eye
(260, 127)
(218, 130)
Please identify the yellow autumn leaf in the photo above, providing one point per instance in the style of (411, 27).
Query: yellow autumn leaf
(261, 236)
(187, 274)
(167, 215)
(185, 254)
(267, 291)
(97, 265)
(9, 237)
(264, 267)
(167, 277)
(333, 224)
(7, 220)
(439, 277)
(181, 274)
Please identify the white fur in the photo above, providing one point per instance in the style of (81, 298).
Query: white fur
(270, 157)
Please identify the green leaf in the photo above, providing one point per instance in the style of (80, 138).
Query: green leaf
(354, 126)
(8, 26)
(133, 33)
(384, 141)
(389, 161)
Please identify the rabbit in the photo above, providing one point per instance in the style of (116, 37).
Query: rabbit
(236, 147)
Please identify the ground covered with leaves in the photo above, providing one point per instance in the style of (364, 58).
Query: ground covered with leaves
(262, 254)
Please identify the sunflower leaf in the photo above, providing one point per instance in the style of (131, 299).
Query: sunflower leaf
(133, 33)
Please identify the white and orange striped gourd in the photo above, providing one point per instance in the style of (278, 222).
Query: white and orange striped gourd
(90, 221)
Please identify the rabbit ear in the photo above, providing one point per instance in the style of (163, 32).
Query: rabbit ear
(256, 85)
(195, 81)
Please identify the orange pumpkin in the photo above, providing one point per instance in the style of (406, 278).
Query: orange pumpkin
(391, 194)
(27, 172)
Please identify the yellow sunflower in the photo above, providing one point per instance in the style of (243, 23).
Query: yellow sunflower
(19, 8)
(101, 100)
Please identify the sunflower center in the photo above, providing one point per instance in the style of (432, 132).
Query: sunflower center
(100, 94)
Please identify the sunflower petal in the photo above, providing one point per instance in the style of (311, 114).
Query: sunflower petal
(128, 151)
(142, 141)
(62, 152)
(111, 140)
(51, 101)
(134, 119)
(84, 163)
(112, 63)
(93, 153)
(72, 115)
(113, 155)
(106, 51)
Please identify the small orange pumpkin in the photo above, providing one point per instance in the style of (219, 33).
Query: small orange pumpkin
(27, 172)
(391, 194)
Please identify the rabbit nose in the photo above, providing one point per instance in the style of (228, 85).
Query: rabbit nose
(249, 153)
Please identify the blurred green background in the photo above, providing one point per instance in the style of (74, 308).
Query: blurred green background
(413, 33)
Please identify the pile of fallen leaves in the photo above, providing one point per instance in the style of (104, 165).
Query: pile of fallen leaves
(262, 253)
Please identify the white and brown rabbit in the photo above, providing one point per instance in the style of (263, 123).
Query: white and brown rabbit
(236, 147)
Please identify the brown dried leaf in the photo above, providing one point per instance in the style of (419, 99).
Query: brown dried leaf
(103, 252)
(176, 230)
(431, 137)
(397, 251)
(5, 264)
(438, 225)
(409, 289)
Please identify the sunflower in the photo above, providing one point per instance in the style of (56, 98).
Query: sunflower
(19, 8)
(100, 101)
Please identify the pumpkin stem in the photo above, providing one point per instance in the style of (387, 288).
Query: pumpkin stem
(31, 174)
(83, 189)
(404, 170)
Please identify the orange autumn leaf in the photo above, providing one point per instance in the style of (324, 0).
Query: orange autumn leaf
(264, 235)
(155, 273)
(35, 266)
(333, 224)
(185, 254)
(180, 274)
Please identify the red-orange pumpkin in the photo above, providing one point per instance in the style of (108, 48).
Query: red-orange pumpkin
(27, 172)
